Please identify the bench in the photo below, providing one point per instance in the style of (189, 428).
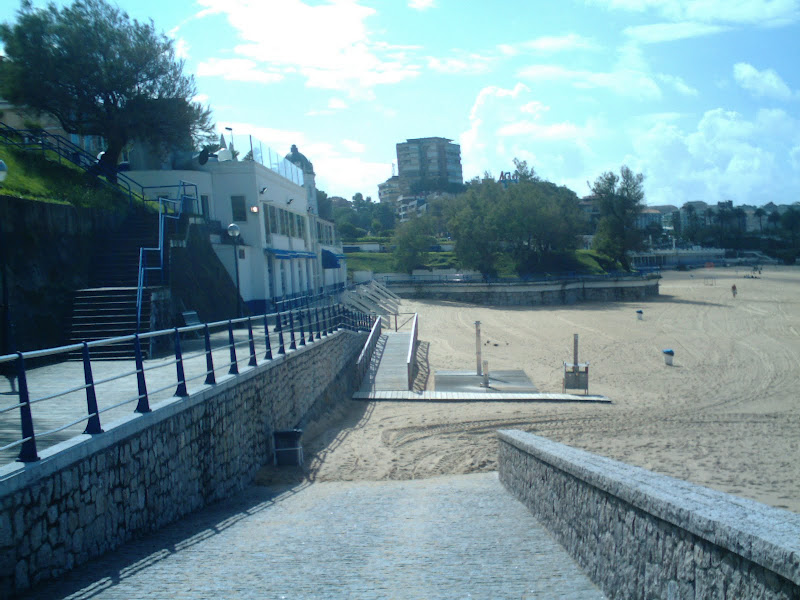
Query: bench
(190, 318)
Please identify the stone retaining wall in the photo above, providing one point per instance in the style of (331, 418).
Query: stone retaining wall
(530, 294)
(643, 535)
(90, 494)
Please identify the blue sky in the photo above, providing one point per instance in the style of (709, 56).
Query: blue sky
(701, 96)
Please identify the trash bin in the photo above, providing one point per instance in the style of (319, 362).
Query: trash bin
(639, 315)
(668, 354)
(288, 449)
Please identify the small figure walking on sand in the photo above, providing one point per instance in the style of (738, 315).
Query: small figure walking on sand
(733, 290)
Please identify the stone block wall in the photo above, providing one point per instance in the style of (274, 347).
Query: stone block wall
(638, 534)
(530, 294)
(90, 494)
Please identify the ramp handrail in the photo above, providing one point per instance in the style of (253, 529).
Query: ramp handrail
(285, 331)
(411, 359)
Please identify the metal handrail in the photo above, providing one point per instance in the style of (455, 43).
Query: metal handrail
(163, 206)
(304, 326)
(411, 357)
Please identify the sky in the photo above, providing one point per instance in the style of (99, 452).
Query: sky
(701, 96)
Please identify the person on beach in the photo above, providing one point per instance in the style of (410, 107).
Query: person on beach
(733, 290)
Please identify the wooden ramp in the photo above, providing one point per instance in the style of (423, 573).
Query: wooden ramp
(388, 370)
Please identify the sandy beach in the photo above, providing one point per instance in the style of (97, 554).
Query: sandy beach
(725, 415)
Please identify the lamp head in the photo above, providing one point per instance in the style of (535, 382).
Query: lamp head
(234, 231)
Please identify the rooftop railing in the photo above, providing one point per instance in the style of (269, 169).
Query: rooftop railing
(55, 401)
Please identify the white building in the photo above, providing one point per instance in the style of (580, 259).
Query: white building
(284, 250)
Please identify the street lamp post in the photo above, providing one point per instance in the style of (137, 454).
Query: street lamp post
(231, 148)
(234, 231)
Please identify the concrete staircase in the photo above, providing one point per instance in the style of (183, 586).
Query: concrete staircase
(108, 308)
(372, 297)
(101, 313)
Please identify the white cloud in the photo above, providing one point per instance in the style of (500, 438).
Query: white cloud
(337, 104)
(622, 81)
(760, 12)
(201, 98)
(669, 32)
(508, 123)
(763, 84)
(421, 4)
(181, 49)
(534, 108)
(236, 69)
(327, 44)
(559, 43)
(678, 83)
(724, 156)
(462, 63)
(353, 146)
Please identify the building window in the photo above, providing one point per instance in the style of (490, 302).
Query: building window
(238, 208)
(273, 219)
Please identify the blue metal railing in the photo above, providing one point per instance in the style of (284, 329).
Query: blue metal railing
(304, 326)
(167, 209)
(65, 149)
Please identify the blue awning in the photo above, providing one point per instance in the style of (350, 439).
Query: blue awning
(282, 254)
(329, 260)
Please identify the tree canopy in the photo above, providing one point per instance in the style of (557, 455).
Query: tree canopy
(621, 199)
(101, 73)
(531, 221)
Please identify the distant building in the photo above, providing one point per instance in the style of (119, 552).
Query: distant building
(411, 206)
(389, 190)
(432, 163)
(23, 118)
(590, 208)
(309, 178)
(648, 217)
(285, 250)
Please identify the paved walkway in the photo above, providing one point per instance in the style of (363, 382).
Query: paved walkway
(117, 397)
(390, 356)
(448, 537)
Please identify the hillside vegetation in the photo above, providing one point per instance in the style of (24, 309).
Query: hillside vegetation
(39, 176)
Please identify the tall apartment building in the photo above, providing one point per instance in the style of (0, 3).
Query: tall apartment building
(432, 163)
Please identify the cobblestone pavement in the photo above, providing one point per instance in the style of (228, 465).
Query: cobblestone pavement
(448, 537)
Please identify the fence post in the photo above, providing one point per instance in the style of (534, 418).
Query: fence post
(234, 370)
(253, 362)
(310, 324)
(300, 322)
(93, 425)
(181, 391)
(27, 452)
(210, 378)
(279, 328)
(292, 345)
(143, 405)
(268, 355)
(319, 326)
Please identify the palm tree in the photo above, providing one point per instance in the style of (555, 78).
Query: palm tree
(759, 214)
(774, 218)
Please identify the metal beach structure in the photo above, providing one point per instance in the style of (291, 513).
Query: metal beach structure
(574, 377)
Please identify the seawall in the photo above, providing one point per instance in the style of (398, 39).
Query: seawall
(90, 494)
(639, 534)
(529, 294)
